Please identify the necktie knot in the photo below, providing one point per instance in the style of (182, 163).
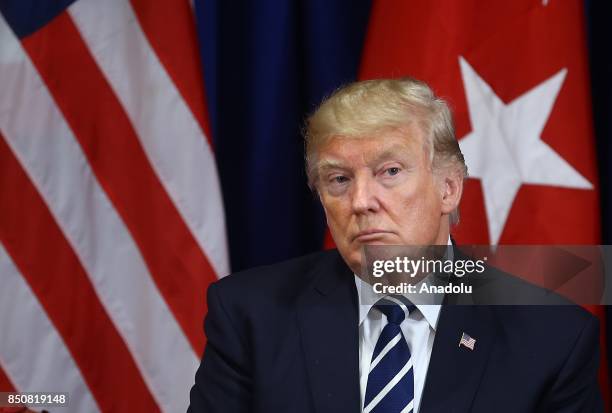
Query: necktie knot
(395, 309)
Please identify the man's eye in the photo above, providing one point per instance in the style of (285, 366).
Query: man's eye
(393, 171)
(339, 179)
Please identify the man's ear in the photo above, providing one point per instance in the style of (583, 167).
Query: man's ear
(452, 189)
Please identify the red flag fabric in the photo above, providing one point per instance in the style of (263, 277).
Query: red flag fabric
(111, 218)
(516, 75)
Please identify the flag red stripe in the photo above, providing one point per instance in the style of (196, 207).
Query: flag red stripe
(5, 382)
(170, 29)
(46, 260)
(178, 266)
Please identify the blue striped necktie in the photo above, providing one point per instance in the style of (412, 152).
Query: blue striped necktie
(390, 385)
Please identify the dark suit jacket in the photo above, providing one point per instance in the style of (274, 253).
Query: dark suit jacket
(284, 338)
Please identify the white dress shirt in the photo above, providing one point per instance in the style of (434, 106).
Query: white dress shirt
(419, 329)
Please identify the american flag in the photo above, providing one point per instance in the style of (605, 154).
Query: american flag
(111, 218)
(467, 341)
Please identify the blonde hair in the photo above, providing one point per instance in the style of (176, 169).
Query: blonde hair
(363, 109)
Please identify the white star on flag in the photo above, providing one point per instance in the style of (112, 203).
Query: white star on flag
(505, 149)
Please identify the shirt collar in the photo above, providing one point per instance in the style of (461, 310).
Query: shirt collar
(367, 298)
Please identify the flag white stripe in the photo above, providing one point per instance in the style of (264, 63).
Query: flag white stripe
(169, 133)
(52, 158)
(389, 386)
(29, 339)
(385, 350)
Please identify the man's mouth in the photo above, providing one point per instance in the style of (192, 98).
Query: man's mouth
(372, 234)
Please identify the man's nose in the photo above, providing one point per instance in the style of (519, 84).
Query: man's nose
(364, 197)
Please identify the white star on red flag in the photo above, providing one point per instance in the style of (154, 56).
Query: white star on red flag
(505, 150)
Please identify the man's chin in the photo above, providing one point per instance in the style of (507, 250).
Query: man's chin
(380, 242)
(355, 255)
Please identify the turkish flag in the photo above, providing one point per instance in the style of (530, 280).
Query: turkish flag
(515, 74)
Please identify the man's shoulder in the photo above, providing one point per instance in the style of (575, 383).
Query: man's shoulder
(537, 311)
(283, 279)
(284, 270)
(530, 316)
(529, 304)
(545, 329)
(544, 316)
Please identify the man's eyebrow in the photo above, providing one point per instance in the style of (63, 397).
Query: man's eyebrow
(330, 164)
(396, 151)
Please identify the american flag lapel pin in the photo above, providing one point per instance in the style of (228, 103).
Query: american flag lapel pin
(467, 341)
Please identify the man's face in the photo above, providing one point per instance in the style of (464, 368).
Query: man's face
(381, 191)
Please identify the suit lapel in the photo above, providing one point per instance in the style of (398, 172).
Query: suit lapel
(455, 371)
(328, 323)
